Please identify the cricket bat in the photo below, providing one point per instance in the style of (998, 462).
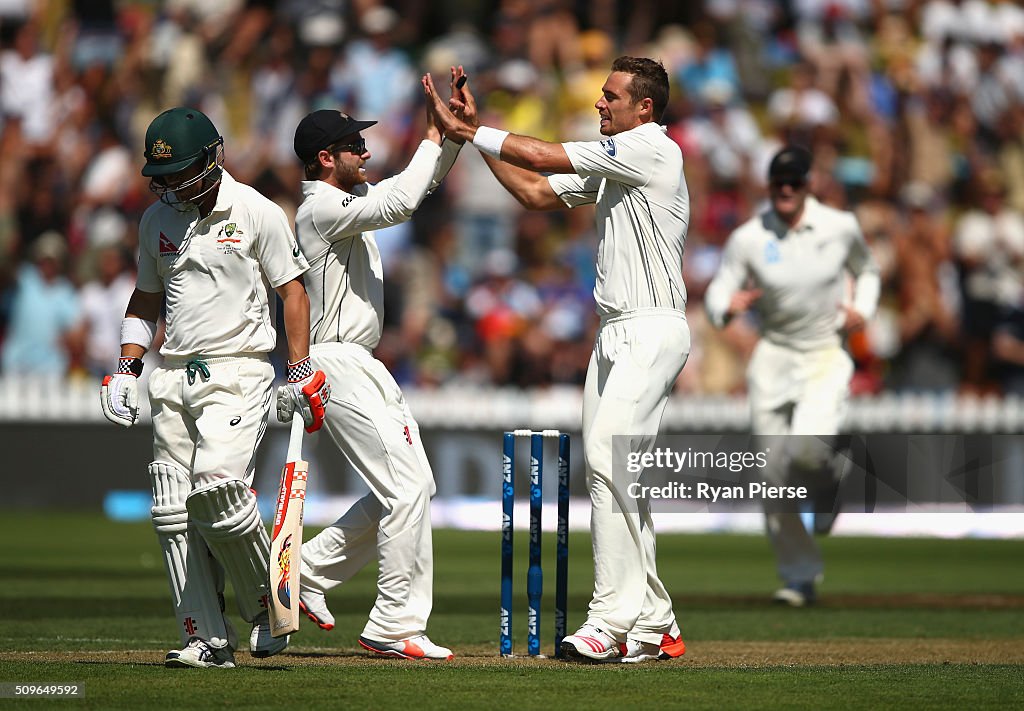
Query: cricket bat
(286, 540)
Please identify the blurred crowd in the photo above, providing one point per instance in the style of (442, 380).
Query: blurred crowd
(914, 110)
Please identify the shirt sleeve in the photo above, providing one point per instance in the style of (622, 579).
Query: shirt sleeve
(449, 152)
(626, 158)
(276, 249)
(861, 263)
(732, 273)
(574, 190)
(389, 202)
(148, 278)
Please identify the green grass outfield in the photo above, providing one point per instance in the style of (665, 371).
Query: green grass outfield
(902, 623)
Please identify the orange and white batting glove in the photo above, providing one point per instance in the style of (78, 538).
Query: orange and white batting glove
(307, 391)
(119, 393)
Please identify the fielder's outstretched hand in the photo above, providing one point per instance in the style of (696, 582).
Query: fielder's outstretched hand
(444, 116)
(463, 103)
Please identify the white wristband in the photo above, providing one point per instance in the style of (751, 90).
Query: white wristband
(138, 331)
(488, 140)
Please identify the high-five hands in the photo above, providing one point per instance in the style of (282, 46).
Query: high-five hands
(448, 122)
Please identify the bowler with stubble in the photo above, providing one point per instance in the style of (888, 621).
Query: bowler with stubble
(790, 264)
(634, 176)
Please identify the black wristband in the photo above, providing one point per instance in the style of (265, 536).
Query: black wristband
(129, 366)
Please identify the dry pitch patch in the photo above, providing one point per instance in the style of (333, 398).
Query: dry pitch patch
(709, 654)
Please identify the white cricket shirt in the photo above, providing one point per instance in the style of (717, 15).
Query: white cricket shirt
(643, 209)
(802, 272)
(217, 273)
(345, 281)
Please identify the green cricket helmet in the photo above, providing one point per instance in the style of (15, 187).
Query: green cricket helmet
(176, 140)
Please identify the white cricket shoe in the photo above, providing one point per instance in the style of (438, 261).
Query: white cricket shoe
(419, 647)
(591, 644)
(199, 654)
(796, 595)
(314, 604)
(262, 644)
(671, 646)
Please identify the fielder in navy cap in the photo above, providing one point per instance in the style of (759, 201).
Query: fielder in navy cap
(790, 162)
(791, 263)
(319, 130)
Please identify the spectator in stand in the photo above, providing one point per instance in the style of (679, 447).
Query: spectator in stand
(553, 36)
(26, 85)
(711, 62)
(927, 321)
(502, 306)
(44, 312)
(376, 78)
(803, 110)
(726, 134)
(583, 83)
(103, 301)
(833, 44)
(929, 149)
(989, 245)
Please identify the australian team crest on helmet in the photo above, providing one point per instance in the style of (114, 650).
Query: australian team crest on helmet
(161, 150)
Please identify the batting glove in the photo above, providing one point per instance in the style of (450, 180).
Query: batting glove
(307, 391)
(119, 393)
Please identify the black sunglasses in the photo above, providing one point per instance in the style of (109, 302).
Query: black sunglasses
(359, 147)
(795, 183)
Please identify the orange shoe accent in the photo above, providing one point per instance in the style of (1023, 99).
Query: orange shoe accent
(314, 618)
(410, 651)
(671, 648)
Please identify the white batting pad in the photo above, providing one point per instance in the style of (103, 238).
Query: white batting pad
(195, 579)
(225, 513)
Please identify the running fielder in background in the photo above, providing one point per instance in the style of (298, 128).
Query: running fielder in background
(210, 251)
(635, 177)
(368, 418)
(796, 255)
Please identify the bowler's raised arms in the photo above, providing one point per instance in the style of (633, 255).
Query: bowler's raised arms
(522, 151)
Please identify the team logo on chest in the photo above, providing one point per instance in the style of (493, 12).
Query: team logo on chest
(229, 239)
(771, 253)
(609, 146)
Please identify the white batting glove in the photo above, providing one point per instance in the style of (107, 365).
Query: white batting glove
(306, 390)
(119, 393)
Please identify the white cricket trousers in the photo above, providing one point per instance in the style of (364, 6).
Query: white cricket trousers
(796, 392)
(636, 359)
(211, 426)
(369, 421)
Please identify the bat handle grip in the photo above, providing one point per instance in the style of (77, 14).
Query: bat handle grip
(295, 438)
